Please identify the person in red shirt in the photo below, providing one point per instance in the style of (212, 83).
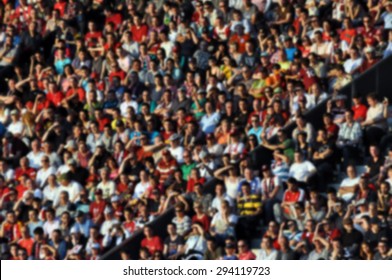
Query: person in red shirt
(25, 169)
(60, 5)
(75, 93)
(331, 128)
(129, 224)
(115, 71)
(11, 228)
(97, 207)
(93, 35)
(240, 38)
(359, 109)
(348, 33)
(291, 196)
(101, 119)
(152, 242)
(26, 241)
(166, 166)
(307, 74)
(139, 30)
(114, 18)
(243, 251)
(194, 178)
(54, 95)
(370, 59)
(200, 216)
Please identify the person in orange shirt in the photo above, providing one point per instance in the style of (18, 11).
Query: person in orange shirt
(26, 241)
(348, 32)
(240, 38)
(222, 133)
(11, 228)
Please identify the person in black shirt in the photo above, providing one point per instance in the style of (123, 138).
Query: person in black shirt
(77, 173)
(324, 156)
(173, 243)
(375, 162)
(351, 238)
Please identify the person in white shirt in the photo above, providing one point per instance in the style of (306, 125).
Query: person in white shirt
(351, 65)
(220, 196)
(16, 127)
(45, 171)
(109, 222)
(51, 223)
(375, 123)
(128, 102)
(267, 252)
(349, 184)
(51, 190)
(72, 187)
(235, 147)
(302, 170)
(175, 149)
(107, 186)
(142, 186)
(35, 156)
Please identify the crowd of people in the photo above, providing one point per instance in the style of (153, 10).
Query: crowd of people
(114, 112)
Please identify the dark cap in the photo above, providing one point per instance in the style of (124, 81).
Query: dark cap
(98, 192)
(119, 123)
(79, 213)
(292, 180)
(375, 221)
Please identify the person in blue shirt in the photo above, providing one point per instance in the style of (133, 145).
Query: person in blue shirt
(57, 243)
(256, 128)
(230, 252)
(289, 48)
(253, 181)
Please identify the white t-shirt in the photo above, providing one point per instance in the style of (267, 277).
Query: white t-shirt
(42, 175)
(73, 189)
(49, 227)
(301, 171)
(140, 189)
(16, 128)
(217, 202)
(35, 159)
(108, 189)
(348, 182)
(124, 107)
(177, 153)
(50, 194)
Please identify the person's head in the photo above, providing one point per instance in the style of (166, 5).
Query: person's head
(179, 210)
(245, 188)
(371, 99)
(172, 229)
(298, 157)
(292, 184)
(266, 243)
(351, 171)
(383, 245)
(374, 151)
(348, 225)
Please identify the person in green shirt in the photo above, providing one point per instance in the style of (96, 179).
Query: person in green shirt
(284, 143)
(188, 165)
(197, 107)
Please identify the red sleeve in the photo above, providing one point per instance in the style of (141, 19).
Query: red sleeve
(158, 244)
(81, 94)
(189, 186)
